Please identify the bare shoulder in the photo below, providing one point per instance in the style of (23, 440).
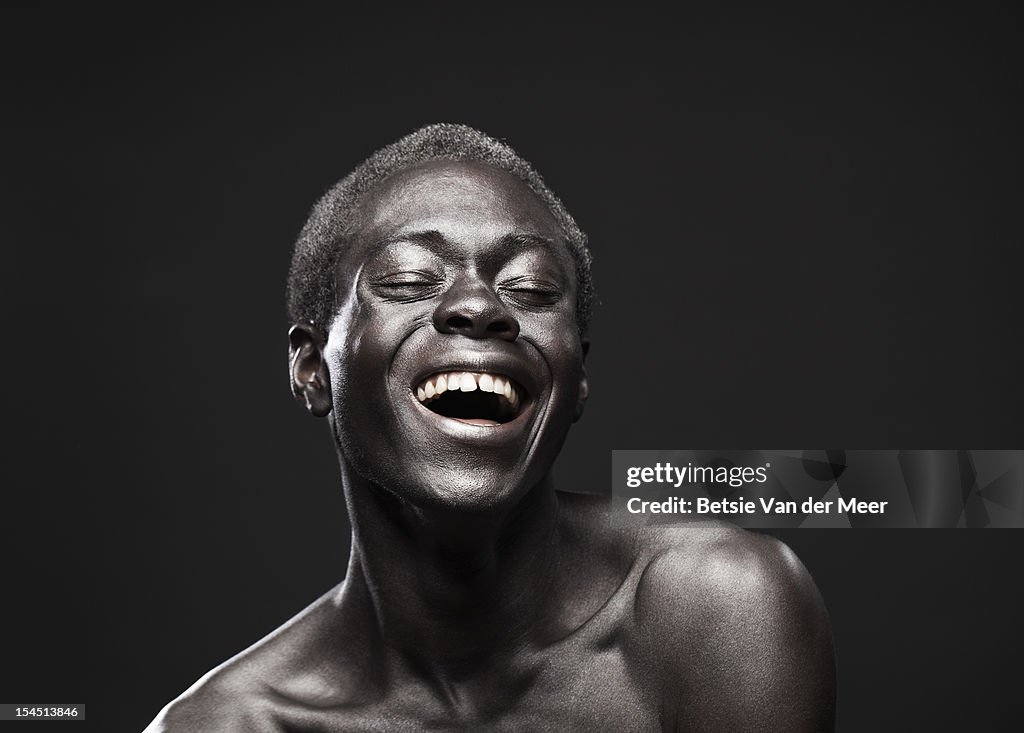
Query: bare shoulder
(219, 701)
(720, 563)
(734, 619)
(696, 576)
(704, 570)
(720, 569)
(249, 691)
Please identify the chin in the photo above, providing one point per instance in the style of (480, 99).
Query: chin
(473, 493)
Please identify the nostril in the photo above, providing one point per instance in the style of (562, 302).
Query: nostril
(458, 322)
(503, 328)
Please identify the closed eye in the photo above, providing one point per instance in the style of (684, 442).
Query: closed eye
(531, 292)
(406, 287)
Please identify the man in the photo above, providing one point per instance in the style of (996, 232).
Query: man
(440, 296)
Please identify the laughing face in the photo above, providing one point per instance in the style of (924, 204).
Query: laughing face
(455, 361)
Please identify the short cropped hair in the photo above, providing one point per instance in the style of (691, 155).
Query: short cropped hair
(312, 286)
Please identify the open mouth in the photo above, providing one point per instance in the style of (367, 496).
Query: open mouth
(475, 398)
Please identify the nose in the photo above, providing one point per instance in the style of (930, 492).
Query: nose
(470, 308)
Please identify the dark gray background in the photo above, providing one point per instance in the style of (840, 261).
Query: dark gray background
(805, 228)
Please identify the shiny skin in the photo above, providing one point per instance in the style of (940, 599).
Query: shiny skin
(453, 267)
(477, 596)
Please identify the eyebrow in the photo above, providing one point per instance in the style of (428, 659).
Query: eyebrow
(433, 240)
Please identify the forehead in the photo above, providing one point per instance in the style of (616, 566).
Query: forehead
(465, 201)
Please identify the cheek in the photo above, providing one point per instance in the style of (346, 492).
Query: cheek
(563, 353)
(362, 352)
(352, 349)
(559, 340)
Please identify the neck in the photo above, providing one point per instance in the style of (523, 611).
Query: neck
(453, 590)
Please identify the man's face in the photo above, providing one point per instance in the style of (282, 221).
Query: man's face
(455, 361)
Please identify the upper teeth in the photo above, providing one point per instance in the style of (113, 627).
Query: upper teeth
(438, 384)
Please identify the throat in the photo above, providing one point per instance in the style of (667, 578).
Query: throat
(458, 589)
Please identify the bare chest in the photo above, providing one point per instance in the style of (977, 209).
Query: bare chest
(578, 686)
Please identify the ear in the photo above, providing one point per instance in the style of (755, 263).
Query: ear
(584, 390)
(311, 382)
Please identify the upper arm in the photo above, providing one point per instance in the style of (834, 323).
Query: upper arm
(745, 642)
